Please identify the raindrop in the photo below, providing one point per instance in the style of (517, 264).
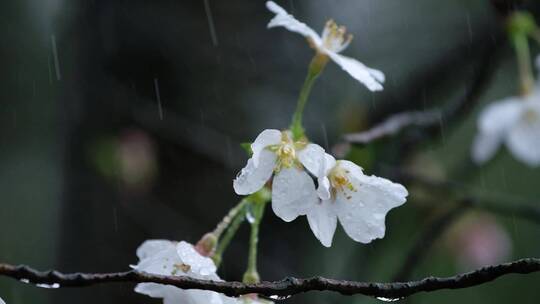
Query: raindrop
(279, 298)
(26, 281)
(249, 216)
(55, 57)
(50, 286)
(388, 299)
(158, 97)
(211, 23)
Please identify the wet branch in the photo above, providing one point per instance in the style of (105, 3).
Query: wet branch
(286, 287)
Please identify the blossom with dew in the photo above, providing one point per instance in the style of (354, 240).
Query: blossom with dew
(359, 201)
(275, 153)
(514, 121)
(333, 40)
(163, 257)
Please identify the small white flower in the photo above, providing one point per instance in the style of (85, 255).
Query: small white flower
(293, 189)
(360, 202)
(332, 41)
(2, 301)
(513, 121)
(165, 257)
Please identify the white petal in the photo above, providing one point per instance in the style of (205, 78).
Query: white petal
(293, 193)
(288, 21)
(524, 141)
(371, 78)
(267, 138)
(201, 297)
(484, 146)
(2, 301)
(362, 212)
(161, 262)
(329, 164)
(230, 300)
(251, 179)
(151, 247)
(199, 264)
(322, 220)
(158, 290)
(312, 158)
(323, 189)
(498, 117)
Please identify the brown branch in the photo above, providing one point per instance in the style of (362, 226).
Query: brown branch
(394, 124)
(285, 287)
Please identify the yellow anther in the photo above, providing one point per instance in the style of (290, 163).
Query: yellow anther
(340, 180)
(180, 267)
(335, 37)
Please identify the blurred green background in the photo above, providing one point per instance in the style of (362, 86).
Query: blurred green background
(121, 121)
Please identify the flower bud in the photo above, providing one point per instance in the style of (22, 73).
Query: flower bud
(207, 244)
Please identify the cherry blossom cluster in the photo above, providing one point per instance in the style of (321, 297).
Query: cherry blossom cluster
(343, 191)
(303, 180)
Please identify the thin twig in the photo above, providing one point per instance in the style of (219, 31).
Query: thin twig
(286, 287)
(433, 120)
(394, 124)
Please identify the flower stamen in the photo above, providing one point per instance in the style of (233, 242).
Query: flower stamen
(335, 37)
(180, 267)
(340, 181)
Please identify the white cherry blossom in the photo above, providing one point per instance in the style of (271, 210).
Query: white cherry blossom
(514, 121)
(359, 201)
(332, 41)
(165, 257)
(275, 153)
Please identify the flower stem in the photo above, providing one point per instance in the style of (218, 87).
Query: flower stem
(229, 234)
(257, 211)
(227, 220)
(521, 46)
(315, 68)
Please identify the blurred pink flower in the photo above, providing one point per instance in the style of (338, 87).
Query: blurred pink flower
(480, 241)
(137, 159)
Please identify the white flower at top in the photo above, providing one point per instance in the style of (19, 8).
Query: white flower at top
(514, 121)
(359, 201)
(332, 41)
(165, 257)
(275, 153)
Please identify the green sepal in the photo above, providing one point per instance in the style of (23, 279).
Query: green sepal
(247, 147)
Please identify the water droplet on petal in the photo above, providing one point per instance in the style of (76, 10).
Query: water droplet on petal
(279, 298)
(50, 286)
(388, 299)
